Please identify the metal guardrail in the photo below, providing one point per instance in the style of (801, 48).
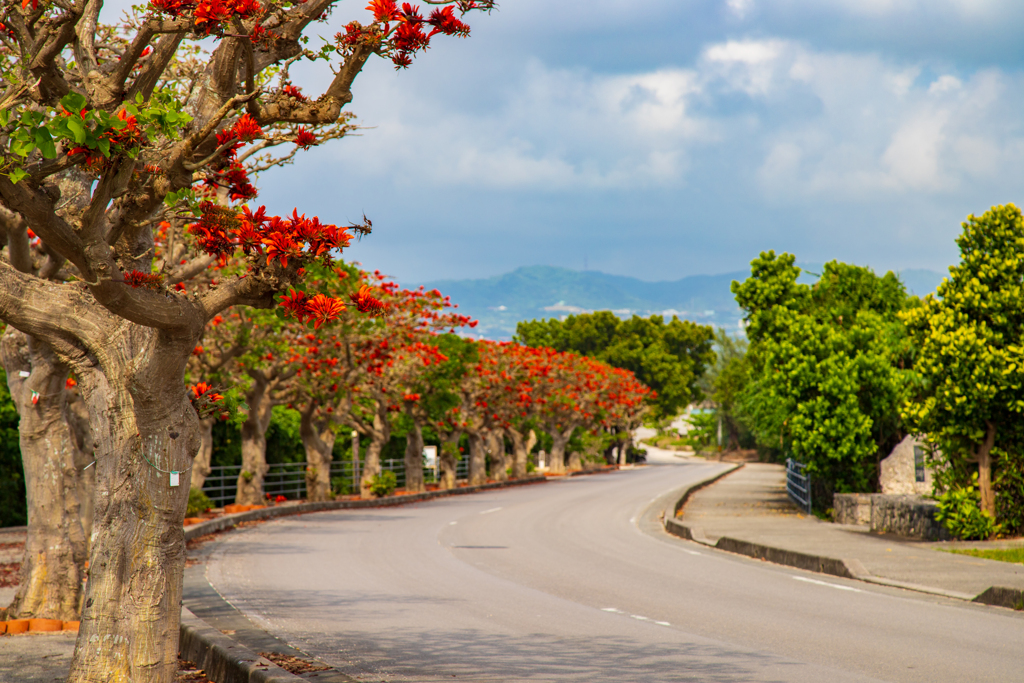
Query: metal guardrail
(289, 479)
(798, 483)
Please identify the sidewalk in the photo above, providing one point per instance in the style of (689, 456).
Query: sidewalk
(748, 511)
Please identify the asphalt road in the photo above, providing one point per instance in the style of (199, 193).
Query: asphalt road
(574, 581)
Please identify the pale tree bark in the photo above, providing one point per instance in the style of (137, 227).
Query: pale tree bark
(559, 440)
(129, 629)
(449, 456)
(201, 465)
(984, 460)
(85, 459)
(477, 459)
(497, 460)
(575, 462)
(521, 447)
(414, 459)
(318, 440)
(379, 432)
(53, 566)
(254, 441)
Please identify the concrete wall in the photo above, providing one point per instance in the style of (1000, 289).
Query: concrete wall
(904, 515)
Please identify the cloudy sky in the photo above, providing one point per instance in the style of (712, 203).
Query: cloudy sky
(678, 137)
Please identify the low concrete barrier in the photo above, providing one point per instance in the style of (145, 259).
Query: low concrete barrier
(909, 516)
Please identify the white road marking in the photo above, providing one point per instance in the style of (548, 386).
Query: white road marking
(637, 616)
(491, 510)
(632, 520)
(830, 585)
(452, 523)
(611, 609)
(662, 623)
(692, 552)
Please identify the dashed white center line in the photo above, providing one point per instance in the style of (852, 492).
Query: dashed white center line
(830, 585)
(491, 510)
(615, 610)
(452, 523)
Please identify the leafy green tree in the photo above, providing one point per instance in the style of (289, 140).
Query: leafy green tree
(971, 362)
(825, 385)
(723, 382)
(668, 357)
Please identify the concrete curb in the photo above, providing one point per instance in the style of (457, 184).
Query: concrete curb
(228, 521)
(224, 660)
(845, 568)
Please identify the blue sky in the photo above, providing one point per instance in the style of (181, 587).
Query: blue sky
(677, 137)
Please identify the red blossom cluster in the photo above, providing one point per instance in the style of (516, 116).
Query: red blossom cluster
(221, 230)
(209, 14)
(319, 308)
(137, 278)
(402, 32)
(366, 302)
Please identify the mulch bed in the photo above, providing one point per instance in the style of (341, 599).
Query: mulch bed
(294, 665)
(9, 574)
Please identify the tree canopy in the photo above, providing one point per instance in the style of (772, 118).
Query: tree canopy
(667, 357)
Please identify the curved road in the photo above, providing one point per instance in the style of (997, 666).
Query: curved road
(574, 581)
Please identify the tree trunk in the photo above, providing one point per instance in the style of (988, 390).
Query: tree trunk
(477, 460)
(556, 459)
(380, 433)
(497, 464)
(988, 496)
(55, 551)
(85, 460)
(201, 465)
(448, 460)
(521, 447)
(254, 443)
(145, 428)
(318, 439)
(575, 462)
(414, 459)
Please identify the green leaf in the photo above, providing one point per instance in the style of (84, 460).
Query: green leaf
(77, 129)
(45, 143)
(5, 116)
(138, 98)
(104, 146)
(73, 102)
(18, 174)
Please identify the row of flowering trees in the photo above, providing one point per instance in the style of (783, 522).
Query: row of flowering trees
(403, 364)
(128, 155)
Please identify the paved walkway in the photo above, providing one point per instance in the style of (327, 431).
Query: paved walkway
(751, 505)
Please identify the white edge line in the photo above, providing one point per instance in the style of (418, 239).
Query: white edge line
(491, 510)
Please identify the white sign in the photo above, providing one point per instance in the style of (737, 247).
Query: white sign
(174, 478)
(430, 457)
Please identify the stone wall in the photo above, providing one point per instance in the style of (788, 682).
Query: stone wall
(852, 508)
(904, 515)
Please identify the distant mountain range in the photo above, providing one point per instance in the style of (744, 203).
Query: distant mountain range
(548, 292)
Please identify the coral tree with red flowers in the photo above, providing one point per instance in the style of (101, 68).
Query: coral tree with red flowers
(132, 150)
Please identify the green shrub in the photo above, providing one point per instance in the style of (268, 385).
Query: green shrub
(341, 486)
(383, 484)
(960, 512)
(198, 503)
(1009, 485)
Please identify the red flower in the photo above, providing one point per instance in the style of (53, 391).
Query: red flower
(291, 91)
(305, 139)
(384, 10)
(137, 278)
(246, 128)
(367, 303)
(323, 309)
(70, 383)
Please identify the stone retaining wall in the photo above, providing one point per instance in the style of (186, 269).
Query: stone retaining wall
(904, 515)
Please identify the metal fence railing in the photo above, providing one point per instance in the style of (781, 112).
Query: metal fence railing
(798, 483)
(289, 479)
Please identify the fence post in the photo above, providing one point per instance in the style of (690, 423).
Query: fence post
(798, 484)
(355, 460)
